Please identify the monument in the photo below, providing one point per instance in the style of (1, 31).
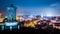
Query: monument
(11, 13)
(11, 22)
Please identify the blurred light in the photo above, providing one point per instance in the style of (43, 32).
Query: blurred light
(11, 23)
(32, 23)
(1, 19)
(18, 26)
(2, 27)
(10, 28)
(49, 15)
(53, 21)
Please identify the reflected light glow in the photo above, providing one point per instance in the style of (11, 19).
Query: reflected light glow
(49, 15)
(11, 23)
(47, 11)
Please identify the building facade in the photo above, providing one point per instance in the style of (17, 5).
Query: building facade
(11, 13)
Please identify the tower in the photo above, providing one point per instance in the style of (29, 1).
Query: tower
(11, 13)
(11, 22)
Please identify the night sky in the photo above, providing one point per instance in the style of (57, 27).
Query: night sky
(32, 7)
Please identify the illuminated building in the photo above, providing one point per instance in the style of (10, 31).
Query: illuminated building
(11, 13)
(31, 23)
(11, 22)
(19, 18)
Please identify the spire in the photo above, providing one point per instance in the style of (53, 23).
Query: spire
(11, 5)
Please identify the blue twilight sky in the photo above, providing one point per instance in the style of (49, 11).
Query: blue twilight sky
(30, 7)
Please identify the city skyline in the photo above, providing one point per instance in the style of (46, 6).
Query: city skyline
(30, 7)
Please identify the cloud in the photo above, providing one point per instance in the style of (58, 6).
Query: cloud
(52, 10)
(28, 10)
(56, 7)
